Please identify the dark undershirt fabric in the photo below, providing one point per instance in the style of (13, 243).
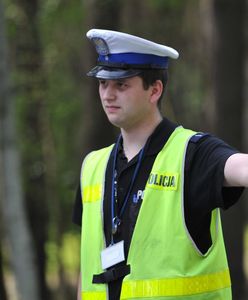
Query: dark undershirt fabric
(203, 192)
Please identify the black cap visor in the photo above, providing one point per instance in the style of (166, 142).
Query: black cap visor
(102, 72)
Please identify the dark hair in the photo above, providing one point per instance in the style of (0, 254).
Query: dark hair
(150, 76)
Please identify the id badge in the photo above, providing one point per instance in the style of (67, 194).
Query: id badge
(113, 255)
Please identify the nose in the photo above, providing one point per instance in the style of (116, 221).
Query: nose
(108, 93)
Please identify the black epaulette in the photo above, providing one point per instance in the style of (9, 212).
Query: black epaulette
(196, 137)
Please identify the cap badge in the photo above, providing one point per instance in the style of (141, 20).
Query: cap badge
(101, 46)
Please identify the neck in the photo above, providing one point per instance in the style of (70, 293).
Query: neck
(134, 139)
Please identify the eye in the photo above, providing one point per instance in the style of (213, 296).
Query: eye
(121, 84)
(102, 82)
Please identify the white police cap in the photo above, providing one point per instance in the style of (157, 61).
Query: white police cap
(123, 55)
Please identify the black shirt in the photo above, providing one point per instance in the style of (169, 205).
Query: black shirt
(203, 191)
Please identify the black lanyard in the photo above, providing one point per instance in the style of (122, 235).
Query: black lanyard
(116, 220)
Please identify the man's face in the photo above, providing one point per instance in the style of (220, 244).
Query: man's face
(125, 101)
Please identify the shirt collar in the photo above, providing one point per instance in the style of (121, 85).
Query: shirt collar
(159, 137)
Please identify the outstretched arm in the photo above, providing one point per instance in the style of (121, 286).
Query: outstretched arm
(236, 170)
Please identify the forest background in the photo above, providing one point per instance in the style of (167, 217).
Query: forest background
(50, 117)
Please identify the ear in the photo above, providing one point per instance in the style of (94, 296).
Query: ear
(156, 91)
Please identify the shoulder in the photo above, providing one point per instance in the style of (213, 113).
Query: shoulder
(95, 164)
(205, 148)
(99, 152)
(207, 143)
(95, 156)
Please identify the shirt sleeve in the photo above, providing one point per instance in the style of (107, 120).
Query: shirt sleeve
(207, 176)
(78, 208)
(203, 186)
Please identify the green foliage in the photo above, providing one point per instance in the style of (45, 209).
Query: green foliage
(50, 95)
(186, 89)
(71, 259)
(61, 31)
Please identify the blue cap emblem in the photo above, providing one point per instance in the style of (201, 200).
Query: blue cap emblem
(101, 46)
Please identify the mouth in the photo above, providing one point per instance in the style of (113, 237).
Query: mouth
(112, 108)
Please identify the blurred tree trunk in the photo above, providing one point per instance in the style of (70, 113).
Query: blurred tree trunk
(13, 208)
(31, 89)
(3, 295)
(40, 156)
(229, 62)
(97, 129)
(207, 62)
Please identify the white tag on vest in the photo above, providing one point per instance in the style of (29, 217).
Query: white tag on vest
(112, 255)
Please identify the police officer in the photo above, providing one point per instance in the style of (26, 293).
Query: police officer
(148, 205)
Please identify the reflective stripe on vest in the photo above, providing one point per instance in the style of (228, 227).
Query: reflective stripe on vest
(175, 286)
(168, 287)
(93, 295)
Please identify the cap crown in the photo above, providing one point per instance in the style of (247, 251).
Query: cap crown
(113, 42)
(126, 52)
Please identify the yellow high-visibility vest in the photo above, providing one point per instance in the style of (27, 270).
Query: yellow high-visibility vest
(165, 262)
